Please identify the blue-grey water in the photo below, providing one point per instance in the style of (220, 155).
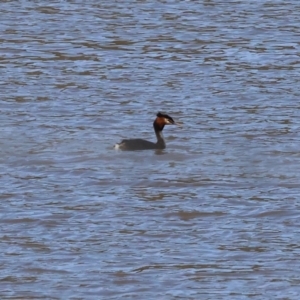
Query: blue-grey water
(213, 216)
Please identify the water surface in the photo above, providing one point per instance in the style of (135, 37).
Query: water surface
(213, 216)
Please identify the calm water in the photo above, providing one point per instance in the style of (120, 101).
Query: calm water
(213, 216)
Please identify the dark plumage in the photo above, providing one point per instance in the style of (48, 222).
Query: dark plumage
(140, 144)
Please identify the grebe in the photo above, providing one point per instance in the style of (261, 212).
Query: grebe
(140, 144)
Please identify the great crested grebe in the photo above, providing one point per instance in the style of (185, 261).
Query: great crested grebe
(140, 144)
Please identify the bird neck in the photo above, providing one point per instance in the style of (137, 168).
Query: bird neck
(158, 132)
